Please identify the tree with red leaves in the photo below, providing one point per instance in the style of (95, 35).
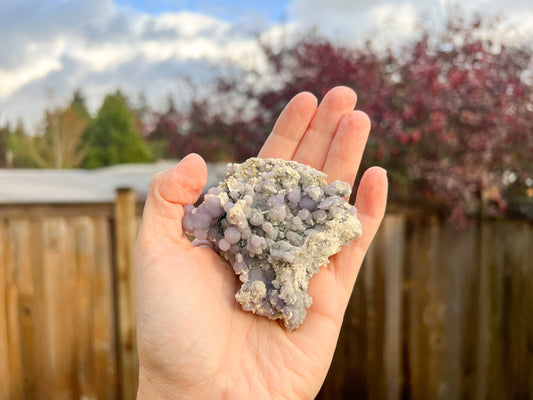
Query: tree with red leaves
(461, 118)
(452, 112)
(201, 129)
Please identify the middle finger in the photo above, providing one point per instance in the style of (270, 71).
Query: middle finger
(314, 146)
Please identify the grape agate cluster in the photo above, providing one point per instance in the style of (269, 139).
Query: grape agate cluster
(276, 222)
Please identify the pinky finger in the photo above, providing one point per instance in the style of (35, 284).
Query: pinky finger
(371, 202)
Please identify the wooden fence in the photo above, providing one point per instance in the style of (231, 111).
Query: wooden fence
(436, 313)
(439, 314)
(67, 323)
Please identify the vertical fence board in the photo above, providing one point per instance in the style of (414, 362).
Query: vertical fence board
(418, 299)
(458, 251)
(125, 234)
(14, 339)
(375, 295)
(104, 334)
(369, 314)
(58, 265)
(42, 347)
(407, 289)
(393, 229)
(22, 231)
(489, 372)
(355, 336)
(83, 300)
(518, 303)
(5, 376)
(483, 333)
(524, 329)
(523, 310)
(435, 309)
(470, 344)
(496, 297)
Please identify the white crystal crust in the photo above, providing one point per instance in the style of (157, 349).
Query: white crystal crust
(276, 222)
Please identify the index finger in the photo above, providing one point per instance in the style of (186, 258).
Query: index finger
(290, 127)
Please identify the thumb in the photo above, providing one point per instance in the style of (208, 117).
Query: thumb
(169, 191)
(180, 185)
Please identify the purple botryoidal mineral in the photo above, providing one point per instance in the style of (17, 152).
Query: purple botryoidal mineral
(276, 222)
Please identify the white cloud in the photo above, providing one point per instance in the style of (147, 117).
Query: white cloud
(353, 22)
(105, 49)
(188, 24)
(101, 58)
(59, 46)
(12, 80)
(388, 21)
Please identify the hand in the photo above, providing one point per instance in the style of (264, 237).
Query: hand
(194, 340)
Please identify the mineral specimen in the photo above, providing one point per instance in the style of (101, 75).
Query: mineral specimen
(276, 222)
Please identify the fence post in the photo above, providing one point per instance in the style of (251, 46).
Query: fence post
(125, 236)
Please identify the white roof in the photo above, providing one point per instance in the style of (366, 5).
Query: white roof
(84, 186)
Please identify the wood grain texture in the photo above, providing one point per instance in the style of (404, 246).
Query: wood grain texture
(57, 319)
(14, 335)
(393, 228)
(5, 376)
(464, 313)
(125, 236)
(104, 313)
(436, 312)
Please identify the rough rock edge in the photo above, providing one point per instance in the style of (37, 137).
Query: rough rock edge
(291, 267)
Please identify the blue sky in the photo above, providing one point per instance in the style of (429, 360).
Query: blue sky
(229, 10)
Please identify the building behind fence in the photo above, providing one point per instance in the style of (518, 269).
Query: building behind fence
(436, 313)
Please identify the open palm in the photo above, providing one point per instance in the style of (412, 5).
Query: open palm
(194, 340)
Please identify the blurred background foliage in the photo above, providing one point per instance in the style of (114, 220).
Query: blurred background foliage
(451, 111)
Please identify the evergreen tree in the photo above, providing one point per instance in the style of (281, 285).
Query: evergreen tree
(113, 137)
(78, 104)
(4, 149)
(19, 146)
